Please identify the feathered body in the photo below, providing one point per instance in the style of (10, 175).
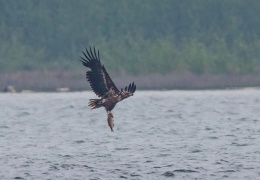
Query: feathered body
(103, 86)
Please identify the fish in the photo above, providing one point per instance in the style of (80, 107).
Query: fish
(110, 121)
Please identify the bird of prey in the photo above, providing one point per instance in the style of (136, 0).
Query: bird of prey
(103, 86)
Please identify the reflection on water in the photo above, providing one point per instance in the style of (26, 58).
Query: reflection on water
(158, 134)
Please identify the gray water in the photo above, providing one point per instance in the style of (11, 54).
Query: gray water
(158, 135)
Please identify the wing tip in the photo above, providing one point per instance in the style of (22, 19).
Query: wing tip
(89, 55)
(131, 88)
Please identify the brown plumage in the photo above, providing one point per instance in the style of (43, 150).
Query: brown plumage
(103, 86)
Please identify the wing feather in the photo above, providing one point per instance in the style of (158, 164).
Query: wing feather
(110, 84)
(130, 88)
(99, 79)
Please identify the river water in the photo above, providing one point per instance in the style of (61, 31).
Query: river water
(158, 135)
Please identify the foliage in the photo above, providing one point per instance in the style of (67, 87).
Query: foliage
(136, 37)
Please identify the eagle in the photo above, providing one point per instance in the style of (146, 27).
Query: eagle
(103, 86)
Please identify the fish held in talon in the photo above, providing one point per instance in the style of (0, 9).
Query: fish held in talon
(102, 85)
(110, 121)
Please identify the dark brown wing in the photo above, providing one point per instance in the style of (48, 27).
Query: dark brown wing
(110, 84)
(99, 79)
(130, 88)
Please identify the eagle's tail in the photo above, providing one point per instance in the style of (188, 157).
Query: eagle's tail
(95, 103)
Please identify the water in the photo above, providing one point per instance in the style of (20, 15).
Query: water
(158, 135)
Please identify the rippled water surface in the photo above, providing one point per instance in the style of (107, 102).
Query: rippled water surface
(158, 135)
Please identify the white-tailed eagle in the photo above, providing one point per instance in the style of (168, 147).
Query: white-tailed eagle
(103, 86)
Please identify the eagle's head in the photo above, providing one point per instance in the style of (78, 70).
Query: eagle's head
(128, 91)
(126, 94)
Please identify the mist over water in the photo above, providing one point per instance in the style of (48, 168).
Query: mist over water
(158, 135)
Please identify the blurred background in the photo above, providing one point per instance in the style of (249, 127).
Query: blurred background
(168, 44)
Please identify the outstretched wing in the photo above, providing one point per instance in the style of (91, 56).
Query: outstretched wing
(99, 79)
(130, 88)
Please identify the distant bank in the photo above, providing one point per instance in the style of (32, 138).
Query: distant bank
(75, 81)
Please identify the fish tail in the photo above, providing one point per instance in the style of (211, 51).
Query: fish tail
(95, 103)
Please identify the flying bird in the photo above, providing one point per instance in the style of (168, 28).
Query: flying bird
(103, 86)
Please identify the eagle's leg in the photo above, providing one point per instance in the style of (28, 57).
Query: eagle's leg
(110, 120)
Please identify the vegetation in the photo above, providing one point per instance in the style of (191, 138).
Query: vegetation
(134, 37)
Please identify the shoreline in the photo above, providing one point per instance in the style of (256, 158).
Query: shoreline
(61, 81)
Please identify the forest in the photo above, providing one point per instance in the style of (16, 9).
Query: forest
(134, 37)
